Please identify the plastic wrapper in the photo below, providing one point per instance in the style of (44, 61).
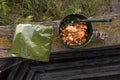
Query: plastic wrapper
(32, 42)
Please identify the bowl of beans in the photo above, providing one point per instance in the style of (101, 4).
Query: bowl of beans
(73, 33)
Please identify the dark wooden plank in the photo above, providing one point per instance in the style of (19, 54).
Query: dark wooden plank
(87, 53)
(13, 72)
(22, 71)
(30, 75)
(80, 73)
(77, 63)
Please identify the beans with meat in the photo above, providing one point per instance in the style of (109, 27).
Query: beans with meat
(74, 35)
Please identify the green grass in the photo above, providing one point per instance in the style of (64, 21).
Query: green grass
(46, 10)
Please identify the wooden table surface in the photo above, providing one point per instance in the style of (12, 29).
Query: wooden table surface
(113, 30)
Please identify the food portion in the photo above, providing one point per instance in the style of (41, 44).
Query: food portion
(74, 35)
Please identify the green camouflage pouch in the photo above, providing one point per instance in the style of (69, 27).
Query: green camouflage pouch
(32, 42)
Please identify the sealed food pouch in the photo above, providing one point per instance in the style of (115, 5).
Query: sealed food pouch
(32, 42)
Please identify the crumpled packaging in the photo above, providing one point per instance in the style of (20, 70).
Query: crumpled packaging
(32, 42)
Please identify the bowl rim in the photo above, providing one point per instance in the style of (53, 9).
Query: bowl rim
(79, 46)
